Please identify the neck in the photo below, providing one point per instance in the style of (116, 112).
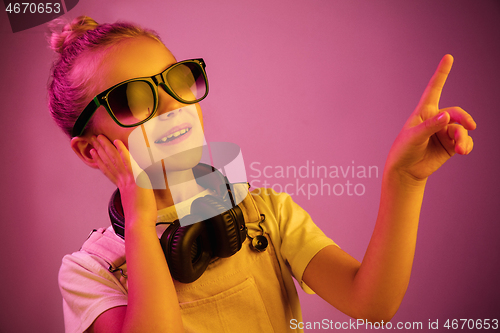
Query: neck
(181, 185)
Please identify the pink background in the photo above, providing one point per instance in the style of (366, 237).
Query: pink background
(291, 82)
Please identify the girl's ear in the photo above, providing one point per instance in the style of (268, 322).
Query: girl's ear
(82, 146)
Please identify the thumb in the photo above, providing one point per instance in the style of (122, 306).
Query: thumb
(431, 126)
(140, 176)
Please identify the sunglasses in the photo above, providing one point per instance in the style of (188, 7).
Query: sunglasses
(135, 101)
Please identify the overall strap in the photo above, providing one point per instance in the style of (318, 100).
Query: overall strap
(106, 245)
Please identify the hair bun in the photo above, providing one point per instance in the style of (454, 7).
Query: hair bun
(60, 39)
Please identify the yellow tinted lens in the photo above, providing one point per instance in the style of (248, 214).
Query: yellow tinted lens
(132, 102)
(187, 81)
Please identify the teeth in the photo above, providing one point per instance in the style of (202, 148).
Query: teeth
(176, 134)
(173, 135)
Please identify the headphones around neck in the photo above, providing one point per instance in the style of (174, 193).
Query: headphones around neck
(189, 249)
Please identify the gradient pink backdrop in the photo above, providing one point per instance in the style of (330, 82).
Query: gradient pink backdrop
(291, 81)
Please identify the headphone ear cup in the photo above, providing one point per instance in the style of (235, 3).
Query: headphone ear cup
(116, 216)
(187, 250)
(226, 226)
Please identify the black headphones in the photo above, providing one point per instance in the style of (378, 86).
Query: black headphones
(189, 249)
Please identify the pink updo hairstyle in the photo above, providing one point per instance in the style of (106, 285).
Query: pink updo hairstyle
(80, 45)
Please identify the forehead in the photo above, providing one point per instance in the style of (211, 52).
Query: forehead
(131, 58)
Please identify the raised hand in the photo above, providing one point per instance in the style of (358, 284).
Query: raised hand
(152, 299)
(431, 135)
(115, 161)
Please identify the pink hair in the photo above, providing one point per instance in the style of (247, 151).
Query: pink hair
(79, 46)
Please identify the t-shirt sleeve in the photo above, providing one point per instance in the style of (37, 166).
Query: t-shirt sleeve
(88, 289)
(301, 239)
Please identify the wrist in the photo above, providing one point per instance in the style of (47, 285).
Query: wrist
(398, 177)
(140, 226)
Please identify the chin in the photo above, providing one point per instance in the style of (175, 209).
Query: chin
(172, 167)
(184, 160)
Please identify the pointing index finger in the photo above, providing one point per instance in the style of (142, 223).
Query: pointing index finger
(433, 90)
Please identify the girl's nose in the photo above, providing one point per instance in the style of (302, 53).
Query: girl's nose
(166, 115)
(168, 107)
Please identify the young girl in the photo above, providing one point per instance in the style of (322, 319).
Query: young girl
(110, 83)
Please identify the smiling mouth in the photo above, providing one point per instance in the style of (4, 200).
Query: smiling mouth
(174, 136)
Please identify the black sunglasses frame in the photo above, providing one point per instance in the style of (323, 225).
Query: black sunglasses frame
(154, 82)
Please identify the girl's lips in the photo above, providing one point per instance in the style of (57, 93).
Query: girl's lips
(175, 135)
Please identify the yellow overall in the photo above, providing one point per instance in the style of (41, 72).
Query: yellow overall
(248, 292)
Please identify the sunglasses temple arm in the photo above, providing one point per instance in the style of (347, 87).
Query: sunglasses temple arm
(84, 117)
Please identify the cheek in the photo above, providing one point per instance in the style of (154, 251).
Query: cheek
(200, 115)
(100, 121)
(103, 124)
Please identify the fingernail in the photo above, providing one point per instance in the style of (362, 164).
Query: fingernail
(441, 119)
